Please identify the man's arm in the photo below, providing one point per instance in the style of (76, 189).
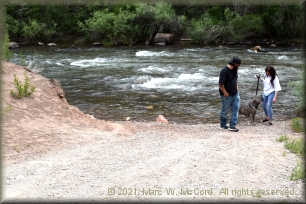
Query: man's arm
(221, 86)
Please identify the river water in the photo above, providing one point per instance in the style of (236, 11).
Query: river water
(177, 81)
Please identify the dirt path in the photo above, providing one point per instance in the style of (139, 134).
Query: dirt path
(54, 152)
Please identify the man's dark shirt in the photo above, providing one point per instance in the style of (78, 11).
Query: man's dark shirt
(229, 80)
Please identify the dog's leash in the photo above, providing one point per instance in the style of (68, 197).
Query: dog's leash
(257, 85)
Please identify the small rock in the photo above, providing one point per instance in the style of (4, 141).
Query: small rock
(13, 45)
(20, 177)
(97, 44)
(41, 43)
(127, 119)
(161, 44)
(273, 45)
(161, 118)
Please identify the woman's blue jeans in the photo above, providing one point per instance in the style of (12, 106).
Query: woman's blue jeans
(267, 104)
(226, 103)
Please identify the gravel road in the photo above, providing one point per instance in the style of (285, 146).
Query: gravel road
(197, 162)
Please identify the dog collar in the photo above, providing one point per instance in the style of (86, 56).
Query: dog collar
(252, 106)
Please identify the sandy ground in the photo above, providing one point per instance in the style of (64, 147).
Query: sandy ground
(54, 152)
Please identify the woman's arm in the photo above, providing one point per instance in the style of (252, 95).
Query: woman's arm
(274, 99)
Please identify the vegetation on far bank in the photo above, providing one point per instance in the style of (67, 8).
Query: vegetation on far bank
(138, 22)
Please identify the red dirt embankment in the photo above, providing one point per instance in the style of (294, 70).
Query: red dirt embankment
(44, 122)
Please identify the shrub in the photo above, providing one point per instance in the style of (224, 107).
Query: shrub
(204, 30)
(22, 89)
(130, 22)
(22, 61)
(296, 146)
(282, 138)
(7, 54)
(242, 27)
(36, 30)
(298, 171)
(298, 90)
(296, 125)
(5, 110)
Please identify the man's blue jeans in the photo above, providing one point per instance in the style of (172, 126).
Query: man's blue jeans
(226, 103)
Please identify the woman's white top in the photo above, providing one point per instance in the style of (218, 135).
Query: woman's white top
(268, 88)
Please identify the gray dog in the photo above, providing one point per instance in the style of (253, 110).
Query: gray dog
(249, 109)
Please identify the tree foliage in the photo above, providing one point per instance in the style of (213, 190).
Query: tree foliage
(110, 22)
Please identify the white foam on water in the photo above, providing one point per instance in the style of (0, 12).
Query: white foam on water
(150, 54)
(190, 49)
(165, 84)
(152, 69)
(91, 62)
(214, 79)
(190, 76)
(254, 51)
(283, 57)
(182, 82)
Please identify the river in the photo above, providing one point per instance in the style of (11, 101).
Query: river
(177, 81)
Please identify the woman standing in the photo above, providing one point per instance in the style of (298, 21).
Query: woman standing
(271, 87)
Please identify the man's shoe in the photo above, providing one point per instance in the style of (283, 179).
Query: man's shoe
(233, 129)
(224, 128)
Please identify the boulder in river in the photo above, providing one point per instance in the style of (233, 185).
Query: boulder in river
(257, 48)
(161, 118)
(41, 43)
(273, 45)
(97, 44)
(164, 38)
(221, 47)
(13, 45)
(51, 44)
(161, 44)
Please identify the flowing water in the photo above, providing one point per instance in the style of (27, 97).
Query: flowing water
(177, 81)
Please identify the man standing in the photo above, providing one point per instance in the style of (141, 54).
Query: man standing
(228, 88)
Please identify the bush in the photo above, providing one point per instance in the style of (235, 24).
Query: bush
(7, 54)
(22, 89)
(37, 31)
(241, 27)
(298, 171)
(298, 90)
(5, 110)
(282, 138)
(296, 125)
(131, 22)
(296, 146)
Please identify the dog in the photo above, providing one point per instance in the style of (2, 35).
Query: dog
(249, 109)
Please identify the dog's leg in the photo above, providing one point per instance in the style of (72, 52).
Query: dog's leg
(252, 118)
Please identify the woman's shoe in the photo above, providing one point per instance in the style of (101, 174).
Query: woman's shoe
(264, 120)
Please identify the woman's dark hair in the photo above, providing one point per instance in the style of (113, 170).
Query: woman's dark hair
(272, 72)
